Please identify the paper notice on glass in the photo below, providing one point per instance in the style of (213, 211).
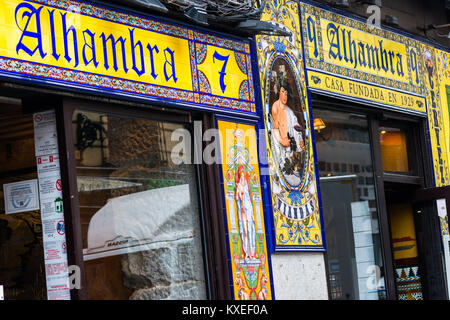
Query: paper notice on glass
(47, 164)
(52, 211)
(58, 285)
(45, 137)
(53, 230)
(55, 250)
(2, 296)
(21, 196)
(441, 207)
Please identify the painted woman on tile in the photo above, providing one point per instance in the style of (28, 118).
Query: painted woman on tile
(245, 214)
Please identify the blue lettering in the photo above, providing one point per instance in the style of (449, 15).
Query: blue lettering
(371, 60)
(399, 65)
(52, 32)
(222, 72)
(133, 54)
(65, 36)
(362, 62)
(332, 31)
(352, 49)
(391, 60)
(413, 59)
(91, 47)
(344, 46)
(171, 63)
(384, 58)
(438, 143)
(152, 61)
(29, 13)
(312, 35)
(113, 47)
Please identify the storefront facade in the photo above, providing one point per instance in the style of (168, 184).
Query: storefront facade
(144, 158)
(374, 139)
(117, 109)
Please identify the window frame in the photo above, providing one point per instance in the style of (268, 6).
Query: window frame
(420, 164)
(212, 237)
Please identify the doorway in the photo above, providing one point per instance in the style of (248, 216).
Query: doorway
(381, 243)
(400, 210)
(22, 268)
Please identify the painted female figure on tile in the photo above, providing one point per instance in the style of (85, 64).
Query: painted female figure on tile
(245, 214)
(245, 221)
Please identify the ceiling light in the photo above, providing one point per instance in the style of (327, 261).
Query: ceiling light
(319, 124)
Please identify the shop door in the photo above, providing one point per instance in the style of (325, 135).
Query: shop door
(356, 267)
(22, 269)
(413, 225)
(382, 243)
(404, 241)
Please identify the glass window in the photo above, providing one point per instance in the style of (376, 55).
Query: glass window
(139, 210)
(349, 208)
(393, 149)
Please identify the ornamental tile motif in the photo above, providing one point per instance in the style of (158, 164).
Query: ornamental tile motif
(295, 213)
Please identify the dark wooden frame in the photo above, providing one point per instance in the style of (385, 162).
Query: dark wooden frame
(414, 177)
(425, 219)
(216, 232)
(213, 236)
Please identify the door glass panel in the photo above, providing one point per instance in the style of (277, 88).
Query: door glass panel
(393, 149)
(349, 207)
(404, 240)
(139, 210)
(404, 246)
(22, 269)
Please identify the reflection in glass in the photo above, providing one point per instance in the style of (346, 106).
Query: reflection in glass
(139, 211)
(349, 207)
(393, 149)
(404, 247)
